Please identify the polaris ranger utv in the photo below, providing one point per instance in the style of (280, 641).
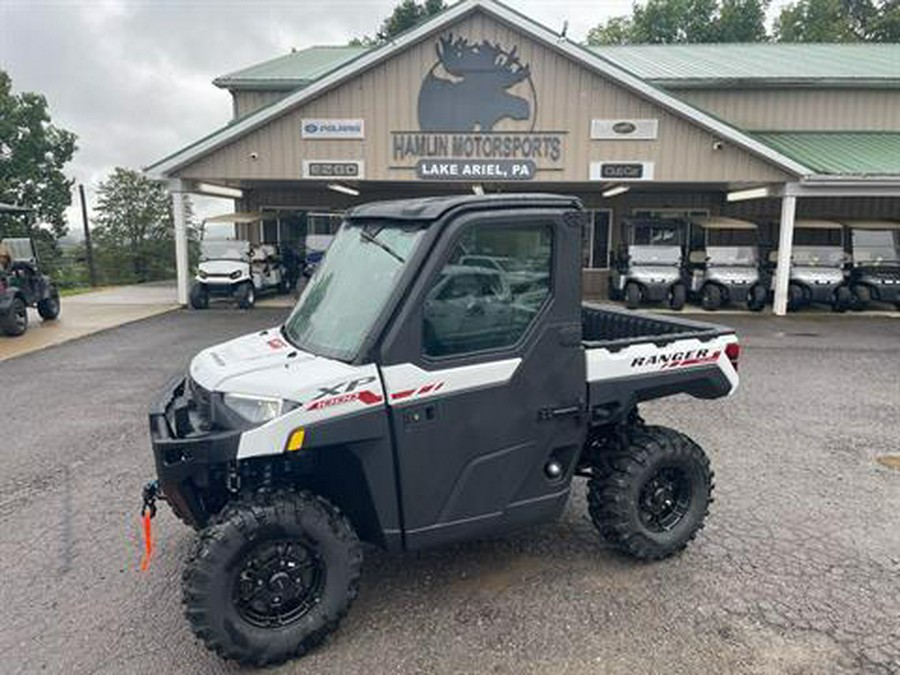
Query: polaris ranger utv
(22, 285)
(725, 264)
(651, 269)
(410, 401)
(875, 271)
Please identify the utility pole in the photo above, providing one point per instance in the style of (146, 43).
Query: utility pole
(87, 237)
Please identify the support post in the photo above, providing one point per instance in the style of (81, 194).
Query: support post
(88, 247)
(182, 270)
(785, 247)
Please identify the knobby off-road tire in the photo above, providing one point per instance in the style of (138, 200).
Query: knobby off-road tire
(15, 321)
(629, 486)
(240, 587)
(49, 307)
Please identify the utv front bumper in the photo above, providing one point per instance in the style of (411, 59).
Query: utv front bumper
(187, 457)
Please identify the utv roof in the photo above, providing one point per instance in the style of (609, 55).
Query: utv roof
(873, 224)
(432, 208)
(723, 223)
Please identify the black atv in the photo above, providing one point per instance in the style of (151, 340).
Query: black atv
(22, 285)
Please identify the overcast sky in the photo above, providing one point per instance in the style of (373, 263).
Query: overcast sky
(133, 78)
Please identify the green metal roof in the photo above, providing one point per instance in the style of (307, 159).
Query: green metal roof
(737, 64)
(291, 71)
(848, 153)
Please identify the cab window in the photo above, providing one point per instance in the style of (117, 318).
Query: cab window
(489, 291)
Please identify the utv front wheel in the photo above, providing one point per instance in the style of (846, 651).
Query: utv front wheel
(270, 578)
(199, 296)
(48, 307)
(15, 321)
(632, 295)
(650, 498)
(246, 295)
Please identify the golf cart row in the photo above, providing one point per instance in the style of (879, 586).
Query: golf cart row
(232, 267)
(716, 261)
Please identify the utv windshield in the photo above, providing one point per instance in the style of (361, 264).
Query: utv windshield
(224, 249)
(732, 255)
(876, 246)
(655, 255)
(819, 256)
(350, 288)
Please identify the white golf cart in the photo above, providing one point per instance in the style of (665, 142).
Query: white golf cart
(817, 266)
(233, 267)
(875, 272)
(724, 264)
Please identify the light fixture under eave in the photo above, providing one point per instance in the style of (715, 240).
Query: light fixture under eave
(219, 190)
(478, 189)
(344, 189)
(617, 190)
(749, 193)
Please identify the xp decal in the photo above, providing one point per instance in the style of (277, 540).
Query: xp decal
(345, 392)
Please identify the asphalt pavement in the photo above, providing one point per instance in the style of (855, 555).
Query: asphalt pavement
(796, 572)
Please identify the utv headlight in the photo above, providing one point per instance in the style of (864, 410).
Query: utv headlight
(256, 409)
(235, 275)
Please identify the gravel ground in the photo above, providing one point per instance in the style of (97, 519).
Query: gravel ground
(796, 572)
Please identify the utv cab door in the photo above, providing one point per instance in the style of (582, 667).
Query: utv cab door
(485, 379)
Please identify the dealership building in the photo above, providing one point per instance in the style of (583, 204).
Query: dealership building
(483, 98)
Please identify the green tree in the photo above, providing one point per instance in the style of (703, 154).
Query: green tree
(839, 21)
(685, 21)
(135, 229)
(33, 154)
(405, 15)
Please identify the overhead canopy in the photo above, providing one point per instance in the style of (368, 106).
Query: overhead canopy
(873, 224)
(815, 224)
(723, 223)
(237, 217)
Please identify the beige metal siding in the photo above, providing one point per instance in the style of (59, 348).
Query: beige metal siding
(246, 102)
(568, 97)
(802, 109)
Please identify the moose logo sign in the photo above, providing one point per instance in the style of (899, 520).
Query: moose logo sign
(473, 93)
(477, 110)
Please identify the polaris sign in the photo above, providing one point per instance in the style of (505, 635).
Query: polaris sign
(330, 128)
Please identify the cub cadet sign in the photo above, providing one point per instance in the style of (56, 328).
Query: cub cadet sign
(470, 90)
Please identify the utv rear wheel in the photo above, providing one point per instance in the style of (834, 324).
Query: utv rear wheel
(270, 578)
(632, 296)
(711, 297)
(843, 299)
(15, 321)
(246, 295)
(862, 297)
(677, 297)
(650, 499)
(48, 307)
(756, 300)
(199, 296)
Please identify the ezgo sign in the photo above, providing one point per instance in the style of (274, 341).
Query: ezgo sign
(330, 128)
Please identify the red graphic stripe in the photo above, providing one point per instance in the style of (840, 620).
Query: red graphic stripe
(403, 394)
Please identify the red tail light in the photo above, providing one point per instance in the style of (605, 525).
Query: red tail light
(733, 352)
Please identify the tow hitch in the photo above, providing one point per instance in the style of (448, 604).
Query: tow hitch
(150, 494)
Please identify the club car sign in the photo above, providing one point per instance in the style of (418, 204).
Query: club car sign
(477, 108)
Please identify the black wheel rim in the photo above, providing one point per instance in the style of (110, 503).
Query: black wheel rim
(664, 499)
(278, 582)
